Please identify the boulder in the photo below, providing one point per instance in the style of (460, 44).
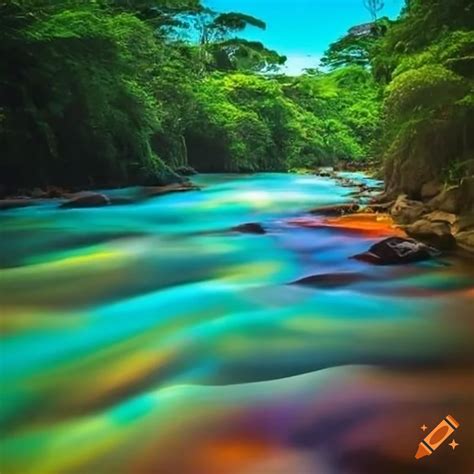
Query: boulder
(250, 228)
(121, 200)
(397, 250)
(448, 200)
(89, 199)
(332, 280)
(185, 171)
(325, 174)
(463, 222)
(437, 234)
(407, 211)
(349, 183)
(336, 210)
(465, 239)
(441, 216)
(154, 191)
(14, 203)
(430, 190)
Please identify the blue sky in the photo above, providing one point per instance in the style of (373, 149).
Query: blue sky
(302, 29)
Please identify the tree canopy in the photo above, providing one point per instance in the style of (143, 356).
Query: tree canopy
(115, 92)
(112, 92)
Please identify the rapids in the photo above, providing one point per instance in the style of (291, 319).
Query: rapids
(148, 338)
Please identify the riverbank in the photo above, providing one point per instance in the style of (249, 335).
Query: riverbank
(93, 198)
(442, 217)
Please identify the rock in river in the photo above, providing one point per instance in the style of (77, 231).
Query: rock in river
(332, 280)
(88, 199)
(154, 191)
(13, 203)
(397, 250)
(250, 228)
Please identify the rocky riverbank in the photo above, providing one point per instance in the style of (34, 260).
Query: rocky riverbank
(442, 217)
(67, 199)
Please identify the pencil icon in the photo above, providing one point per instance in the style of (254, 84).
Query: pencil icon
(437, 437)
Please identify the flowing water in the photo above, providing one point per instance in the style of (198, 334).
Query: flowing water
(147, 338)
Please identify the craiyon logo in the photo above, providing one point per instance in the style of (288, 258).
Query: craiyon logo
(437, 437)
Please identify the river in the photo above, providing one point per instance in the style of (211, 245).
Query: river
(147, 338)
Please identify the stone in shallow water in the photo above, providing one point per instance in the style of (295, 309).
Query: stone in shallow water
(250, 228)
(332, 280)
(397, 250)
(154, 191)
(14, 203)
(87, 200)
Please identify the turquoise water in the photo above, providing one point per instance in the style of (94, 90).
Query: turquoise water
(149, 338)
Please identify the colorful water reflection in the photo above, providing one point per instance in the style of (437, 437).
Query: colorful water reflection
(148, 339)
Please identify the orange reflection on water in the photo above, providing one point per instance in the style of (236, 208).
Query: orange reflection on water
(366, 224)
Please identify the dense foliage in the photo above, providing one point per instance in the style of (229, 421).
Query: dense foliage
(252, 122)
(428, 56)
(110, 92)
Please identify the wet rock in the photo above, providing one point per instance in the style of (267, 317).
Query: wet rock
(185, 171)
(349, 183)
(430, 190)
(336, 210)
(397, 250)
(332, 280)
(437, 234)
(89, 199)
(14, 203)
(407, 211)
(154, 191)
(250, 228)
(441, 216)
(325, 174)
(463, 223)
(121, 200)
(465, 239)
(448, 200)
